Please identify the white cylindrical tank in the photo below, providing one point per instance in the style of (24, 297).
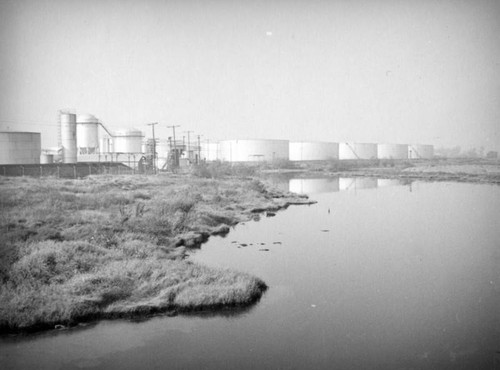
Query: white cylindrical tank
(352, 150)
(87, 139)
(253, 150)
(313, 151)
(68, 136)
(419, 151)
(127, 141)
(392, 151)
(20, 147)
(46, 158)
(209, 151)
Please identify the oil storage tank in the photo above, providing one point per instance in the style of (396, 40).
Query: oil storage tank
(313, 151)
(209, 151)
(127, 141)
(87, 139)
(392, 151)
(419, 151)
(20, 147)
(253, 150)
(67, 123)
(350, 150)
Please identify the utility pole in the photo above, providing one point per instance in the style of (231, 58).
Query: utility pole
(199, 149)
(176, 158)
(154, 145)
(189, 143)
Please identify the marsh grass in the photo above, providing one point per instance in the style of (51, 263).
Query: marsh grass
(106, 246)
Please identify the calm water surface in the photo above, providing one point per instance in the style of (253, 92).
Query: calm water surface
(375, 276)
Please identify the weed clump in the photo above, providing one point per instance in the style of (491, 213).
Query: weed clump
(115, 246)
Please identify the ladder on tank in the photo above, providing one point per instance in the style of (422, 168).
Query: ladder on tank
(353, 151)
(412, 148)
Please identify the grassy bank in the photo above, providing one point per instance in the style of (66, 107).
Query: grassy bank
(114, 246)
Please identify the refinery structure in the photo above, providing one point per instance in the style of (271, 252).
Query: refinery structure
(83, 138)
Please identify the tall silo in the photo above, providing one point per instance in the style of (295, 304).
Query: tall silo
(20, 147)
(419, 151)
(352, 150)
(392, 151)
(67, 123)
(313, 151)
(127, 141)
(253, 150)
(87, 134)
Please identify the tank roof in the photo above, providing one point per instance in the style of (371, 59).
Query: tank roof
(86, 118)
(128, 132)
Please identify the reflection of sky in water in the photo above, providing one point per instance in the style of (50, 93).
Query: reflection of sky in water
(371, 279)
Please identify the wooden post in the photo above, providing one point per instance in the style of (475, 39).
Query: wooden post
(58, 172)
(74, 171)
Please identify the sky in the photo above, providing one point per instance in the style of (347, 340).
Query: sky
(381, 71)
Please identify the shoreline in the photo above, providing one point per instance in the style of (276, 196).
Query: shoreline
(114, 247)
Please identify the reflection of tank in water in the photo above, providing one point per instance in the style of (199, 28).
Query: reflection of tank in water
(314, 186)
(356, 183)
(382, 183)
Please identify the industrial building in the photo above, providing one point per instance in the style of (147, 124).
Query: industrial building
(350, 150)
(313, 151)
(253, 150)
(20, 147)
(392, 151)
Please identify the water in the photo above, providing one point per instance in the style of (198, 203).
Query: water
(376, 275)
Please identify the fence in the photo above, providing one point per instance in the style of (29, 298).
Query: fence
(66, 170)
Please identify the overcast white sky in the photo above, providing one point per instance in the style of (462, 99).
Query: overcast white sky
(399, 71)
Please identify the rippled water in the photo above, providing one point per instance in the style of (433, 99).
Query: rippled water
(375, 275)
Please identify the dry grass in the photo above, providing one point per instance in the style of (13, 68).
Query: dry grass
(111, 246)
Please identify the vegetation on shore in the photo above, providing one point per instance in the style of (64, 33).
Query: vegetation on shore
(114, 246)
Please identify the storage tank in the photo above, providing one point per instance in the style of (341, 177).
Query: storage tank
(20, 147)
(313, 186)
(46, 158)
(313, 151)
(392, 151)
(209, 151)
(352, 150)
(419, 151)
(253, 150)
(68, 136)
(127, 141)
(87, 139)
